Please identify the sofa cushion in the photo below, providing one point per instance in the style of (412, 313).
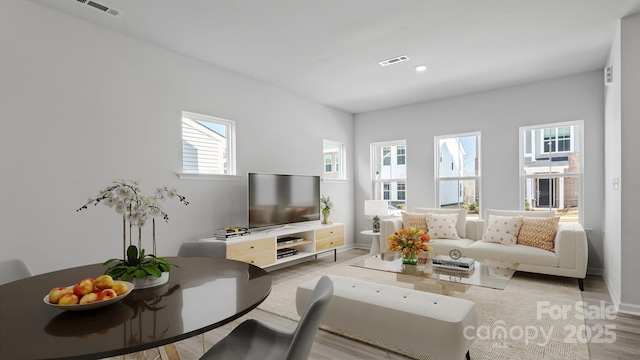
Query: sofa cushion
(539, 232)
(442, 226)
(415, 220)
(521, 254)
(461, 224)
(443, 246)
(502, 229)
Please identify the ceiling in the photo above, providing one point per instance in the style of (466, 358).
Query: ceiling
(328, 50)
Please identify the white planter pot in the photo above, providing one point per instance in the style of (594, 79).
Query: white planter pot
(150, 281)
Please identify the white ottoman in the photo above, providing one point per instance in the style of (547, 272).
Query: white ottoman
(422, 322)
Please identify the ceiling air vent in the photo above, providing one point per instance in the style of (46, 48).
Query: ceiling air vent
(394, 60)
(103, 8)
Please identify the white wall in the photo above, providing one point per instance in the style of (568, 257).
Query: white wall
(81, 105)
(612, 170)
(630, 169)
(497, 114)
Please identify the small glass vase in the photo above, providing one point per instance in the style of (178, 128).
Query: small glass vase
(410, 258)
(325, 217)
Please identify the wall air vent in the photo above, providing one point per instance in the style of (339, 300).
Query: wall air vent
(394, 60)
(608, 75)
(101, 7)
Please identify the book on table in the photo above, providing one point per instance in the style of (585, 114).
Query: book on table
(450, 263)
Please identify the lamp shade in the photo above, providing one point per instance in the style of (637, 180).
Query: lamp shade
(376, 207)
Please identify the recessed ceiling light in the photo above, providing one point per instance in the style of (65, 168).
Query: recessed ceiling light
(421, 67)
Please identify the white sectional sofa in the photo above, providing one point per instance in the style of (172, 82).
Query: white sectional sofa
(568, 259)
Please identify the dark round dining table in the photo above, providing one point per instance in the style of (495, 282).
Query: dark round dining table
(202, 294)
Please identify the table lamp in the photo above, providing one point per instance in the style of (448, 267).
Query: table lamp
(376, 208)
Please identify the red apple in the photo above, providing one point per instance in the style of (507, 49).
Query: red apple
(56, 293)
(104, 282)
(89, 298)
(69, 299)
(107, 294)
(119, 288)
(84, 287)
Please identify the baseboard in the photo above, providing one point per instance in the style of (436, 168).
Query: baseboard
(595, 271)
(615, 300)
(629, 309)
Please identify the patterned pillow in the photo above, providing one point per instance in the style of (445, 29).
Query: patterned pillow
(502, 229)
(414, 220)
(442, 226)
(539, 232)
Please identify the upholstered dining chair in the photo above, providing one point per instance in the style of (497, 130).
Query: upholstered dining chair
(216, 249)
(254, 340)
(13, 269)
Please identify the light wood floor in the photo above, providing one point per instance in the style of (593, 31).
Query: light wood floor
(331, 346)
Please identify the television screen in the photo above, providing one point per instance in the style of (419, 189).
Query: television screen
(282, 199)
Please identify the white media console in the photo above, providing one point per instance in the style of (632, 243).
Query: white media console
(261, 248)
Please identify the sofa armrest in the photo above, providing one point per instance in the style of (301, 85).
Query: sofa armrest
(571, 247)
(387, 227)
(475, 229)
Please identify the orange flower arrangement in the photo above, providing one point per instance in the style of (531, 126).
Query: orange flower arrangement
(410, 242)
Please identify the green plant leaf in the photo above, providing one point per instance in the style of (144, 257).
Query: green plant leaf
(132, 255)
(140, 273)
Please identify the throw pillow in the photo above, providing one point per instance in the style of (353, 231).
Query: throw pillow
(442, 226)
(414, 220)
(539, 232)
(502, 229)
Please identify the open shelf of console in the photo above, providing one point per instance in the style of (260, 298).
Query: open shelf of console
(261, 247)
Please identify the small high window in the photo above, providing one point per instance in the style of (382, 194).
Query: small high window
(333, 155)
(208, 145)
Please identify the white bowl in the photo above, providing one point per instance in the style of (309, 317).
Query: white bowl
(93, 305)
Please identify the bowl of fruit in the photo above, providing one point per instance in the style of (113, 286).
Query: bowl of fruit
(88, 294)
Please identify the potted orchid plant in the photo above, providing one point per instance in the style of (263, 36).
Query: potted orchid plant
(125, 196)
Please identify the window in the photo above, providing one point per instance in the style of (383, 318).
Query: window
(328, 162)
(551, 169)
(333, 153)
(208, 145)
(458, 172)
(557, 139)
(401, 155)
(389, 172)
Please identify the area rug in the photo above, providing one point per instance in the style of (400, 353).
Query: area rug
(535, 317)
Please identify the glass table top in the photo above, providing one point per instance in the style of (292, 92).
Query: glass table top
(487, 273)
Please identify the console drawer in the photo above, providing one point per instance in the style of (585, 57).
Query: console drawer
(329, 232)
(330, 243)
(235, 250)
(259, 259)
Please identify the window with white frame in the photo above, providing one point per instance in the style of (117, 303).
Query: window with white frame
(457, 172)
(208, 145)
(389, 172)
(551, 169)
(333, 154)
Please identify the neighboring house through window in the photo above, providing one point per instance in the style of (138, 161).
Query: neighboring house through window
(208, 145)
(551, 168)
(389, 172)
(458, 172)
(333, 154)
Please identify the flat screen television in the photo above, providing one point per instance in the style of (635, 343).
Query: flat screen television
(282, 199)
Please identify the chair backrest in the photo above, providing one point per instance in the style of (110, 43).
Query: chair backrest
(216, 249)
(304, 334)
(13, 269)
